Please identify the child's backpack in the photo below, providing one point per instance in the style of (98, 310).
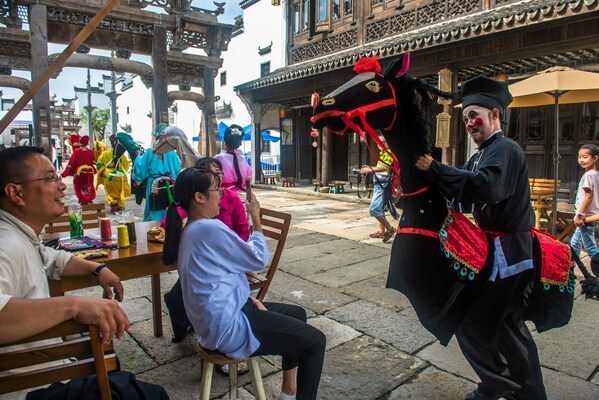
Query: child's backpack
(161, 193)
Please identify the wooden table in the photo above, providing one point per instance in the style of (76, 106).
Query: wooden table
(541, 199)
(140, 259)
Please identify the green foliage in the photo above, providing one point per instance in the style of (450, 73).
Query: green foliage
(100, 118)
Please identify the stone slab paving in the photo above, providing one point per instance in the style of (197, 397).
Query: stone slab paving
(365, 368)
(374, 291)
(432, 384)
(376, 348)
(398, 330)
(349, 274)
(308, 294)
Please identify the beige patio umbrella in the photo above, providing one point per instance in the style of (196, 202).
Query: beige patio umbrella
(557, 85)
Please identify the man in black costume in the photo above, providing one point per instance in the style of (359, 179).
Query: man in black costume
(494, 186)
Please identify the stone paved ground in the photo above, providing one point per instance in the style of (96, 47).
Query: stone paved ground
(376, 348)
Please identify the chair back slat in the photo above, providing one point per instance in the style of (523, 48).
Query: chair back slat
(89, 213)
(26, 366)
(275, 225)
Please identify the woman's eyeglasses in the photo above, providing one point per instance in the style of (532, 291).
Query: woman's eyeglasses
(54, 178)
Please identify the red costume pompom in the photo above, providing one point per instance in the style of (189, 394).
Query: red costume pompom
(368, 64)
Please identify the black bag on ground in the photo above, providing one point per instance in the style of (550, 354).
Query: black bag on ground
(161, 193)
(123, 386)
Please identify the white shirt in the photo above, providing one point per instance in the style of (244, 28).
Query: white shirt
(212, 263)
(25, 266)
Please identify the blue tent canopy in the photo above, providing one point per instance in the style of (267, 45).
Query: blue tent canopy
(267, 136)
(222, 127)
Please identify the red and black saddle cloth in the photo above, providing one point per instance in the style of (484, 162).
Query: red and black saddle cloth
(549, 304)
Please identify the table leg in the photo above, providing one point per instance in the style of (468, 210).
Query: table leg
(156, 305)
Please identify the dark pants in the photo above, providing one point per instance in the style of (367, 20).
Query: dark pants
(282, 330)
(497, 343)
(176, 310)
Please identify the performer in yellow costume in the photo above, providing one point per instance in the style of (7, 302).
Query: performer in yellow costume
(113, 175)
(99, 148)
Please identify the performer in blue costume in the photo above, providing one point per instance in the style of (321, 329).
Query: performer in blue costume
(149, 166)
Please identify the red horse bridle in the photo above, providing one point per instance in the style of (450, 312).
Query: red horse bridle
(361, 112)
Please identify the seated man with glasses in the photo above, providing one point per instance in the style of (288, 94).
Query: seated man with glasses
(31, 194)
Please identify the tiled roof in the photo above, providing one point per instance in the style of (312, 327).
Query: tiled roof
(515, 15)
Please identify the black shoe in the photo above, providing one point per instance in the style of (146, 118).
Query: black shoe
(477, 395)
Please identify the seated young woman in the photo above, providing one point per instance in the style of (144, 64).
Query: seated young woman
(232, 214)
(212, 261)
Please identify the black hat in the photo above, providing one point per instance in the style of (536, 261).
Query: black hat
(234, 135)
(486, 92)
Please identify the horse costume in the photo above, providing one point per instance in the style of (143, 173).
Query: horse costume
(153, 174)
(438, 254)
(173, 138)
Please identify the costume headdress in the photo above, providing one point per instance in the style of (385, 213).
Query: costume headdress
(74, 140)
(234, 136)
(84, 140)
(486, 92)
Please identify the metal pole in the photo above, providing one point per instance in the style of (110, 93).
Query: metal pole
(556, 158)
(90, 125)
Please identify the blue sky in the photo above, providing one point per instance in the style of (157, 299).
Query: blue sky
(70, 77)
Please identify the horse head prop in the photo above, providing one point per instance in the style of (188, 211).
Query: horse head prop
(174, 139)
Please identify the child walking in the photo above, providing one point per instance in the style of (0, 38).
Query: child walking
(587, 201)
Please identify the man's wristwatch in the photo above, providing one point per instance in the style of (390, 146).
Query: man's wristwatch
(99, 268)
(580, 216)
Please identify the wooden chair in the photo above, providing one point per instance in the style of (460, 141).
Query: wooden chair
(90, 213)
(275, 225)
(541, 198)
(209, 358)
(33, 358)
(565, 222)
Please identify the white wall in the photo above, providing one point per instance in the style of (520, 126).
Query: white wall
(262, 24)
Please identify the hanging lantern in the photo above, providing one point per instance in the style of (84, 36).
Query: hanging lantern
(315, 144)
(314, 133)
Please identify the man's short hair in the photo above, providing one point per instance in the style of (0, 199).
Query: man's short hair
(13, 166)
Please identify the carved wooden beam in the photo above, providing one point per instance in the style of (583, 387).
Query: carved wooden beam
(57, 64)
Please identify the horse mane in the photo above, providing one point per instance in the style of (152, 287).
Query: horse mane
(413, 96)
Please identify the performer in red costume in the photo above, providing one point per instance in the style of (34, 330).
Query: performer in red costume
(81, 167)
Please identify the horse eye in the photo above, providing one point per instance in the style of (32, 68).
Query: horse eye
(328, 102)
(373, 86)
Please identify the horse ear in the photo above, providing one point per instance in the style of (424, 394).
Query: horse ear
(398, 68)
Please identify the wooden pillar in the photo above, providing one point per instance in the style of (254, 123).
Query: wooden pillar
(326, 156)
(210, 120)
(160, 78)
(39, 63)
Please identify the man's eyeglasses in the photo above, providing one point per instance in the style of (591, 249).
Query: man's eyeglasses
(221, 191)
(47, 179)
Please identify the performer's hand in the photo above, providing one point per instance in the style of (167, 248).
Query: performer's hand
(365, 169)
(424, 162)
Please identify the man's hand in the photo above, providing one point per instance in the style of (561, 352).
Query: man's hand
(105, 314)
(109, 281)
(366, 169)
(424, 162)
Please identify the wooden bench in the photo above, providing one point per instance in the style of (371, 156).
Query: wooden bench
(89, 212)
(317, 185)
(14, 377)
(337, 187)
(269, 179)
